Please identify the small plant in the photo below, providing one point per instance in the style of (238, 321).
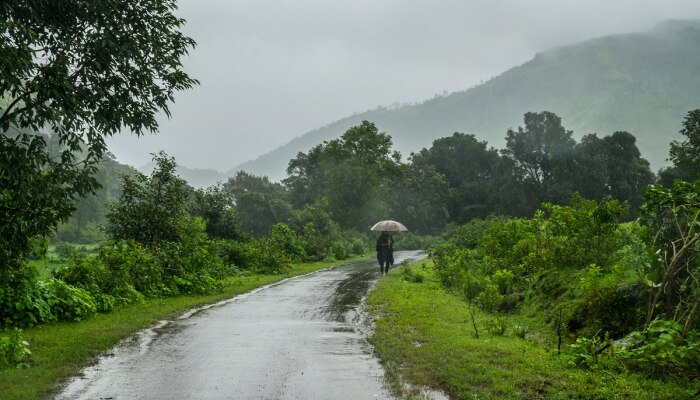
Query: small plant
(520, 331)
(588, 353)
(14, 350)
(412, 274)
(496, 326)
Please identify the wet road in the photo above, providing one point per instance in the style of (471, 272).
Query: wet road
(304, 338)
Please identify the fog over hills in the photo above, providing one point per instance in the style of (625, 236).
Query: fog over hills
(643, 83)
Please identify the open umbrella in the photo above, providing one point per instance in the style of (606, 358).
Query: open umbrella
(388, 226)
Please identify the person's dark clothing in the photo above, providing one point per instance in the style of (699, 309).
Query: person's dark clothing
(385, 252)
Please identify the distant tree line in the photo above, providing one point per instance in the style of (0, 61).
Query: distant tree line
(358, 178)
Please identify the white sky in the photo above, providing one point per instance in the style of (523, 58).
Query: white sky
(272, 70)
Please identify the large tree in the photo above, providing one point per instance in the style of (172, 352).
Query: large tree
(151, 209)
(542, 155)
(467, 166)
(259, 203)
(611, 166)
(353, 173)
(77, 71)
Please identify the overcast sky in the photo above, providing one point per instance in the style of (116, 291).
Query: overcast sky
(274, 70)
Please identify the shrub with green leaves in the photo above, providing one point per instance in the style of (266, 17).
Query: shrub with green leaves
(283, 238)
(413, 274)
(662, 351)
(21, 302)
(68, 303)
(576, 256)
(496, 326)
(14, 350)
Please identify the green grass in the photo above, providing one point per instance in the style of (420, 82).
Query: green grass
(61, 350)
(424, 338)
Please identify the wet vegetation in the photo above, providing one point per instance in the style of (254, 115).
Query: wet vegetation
(578, 249)
(426, 337)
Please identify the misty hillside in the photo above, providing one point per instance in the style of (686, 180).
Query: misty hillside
(643, 83)
(196, 177)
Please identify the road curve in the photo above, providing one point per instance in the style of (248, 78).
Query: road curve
(302, 338)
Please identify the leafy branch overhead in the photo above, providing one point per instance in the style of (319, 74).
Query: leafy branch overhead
(72, 73)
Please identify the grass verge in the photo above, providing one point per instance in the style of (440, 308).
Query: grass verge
(425, 338)
(61, 350)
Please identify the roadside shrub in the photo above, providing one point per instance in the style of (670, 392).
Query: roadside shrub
(411, 241)
(14, 350)
(68, 303)
(84, 272)
(243, 255)
(90, 273)
(359, 247)
(315, 229)
(412, 274)
(21, 302)
(341, 249)
(469, 235)
(285, 239)
(271, 259)
(130, 263)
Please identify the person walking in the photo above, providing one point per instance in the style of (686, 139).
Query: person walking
(385, 252)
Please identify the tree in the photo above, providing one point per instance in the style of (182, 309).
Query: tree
(466, 164)
(75, 72)
(353, 173)
(217, 209)
(421, 198)
(151, 209)
(611, 166)
(686, 155)
(542, 155)
(259, 203)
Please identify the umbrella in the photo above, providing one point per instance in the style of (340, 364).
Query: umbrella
(388, 226)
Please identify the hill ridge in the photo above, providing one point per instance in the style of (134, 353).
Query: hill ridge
(642, 82)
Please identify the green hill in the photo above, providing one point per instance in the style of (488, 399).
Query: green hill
(643, 83)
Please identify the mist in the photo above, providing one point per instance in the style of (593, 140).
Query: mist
(272, 71)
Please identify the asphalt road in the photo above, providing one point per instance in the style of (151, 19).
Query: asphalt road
(303, 338)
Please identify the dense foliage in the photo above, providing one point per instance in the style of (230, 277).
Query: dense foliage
(586, 274)
(71, 73)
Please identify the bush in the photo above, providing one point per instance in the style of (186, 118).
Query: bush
(14, 350)
(496, 326)
(359, 247)
(67, 303)
(587, 353)
(663, 351)
(341, 249)
(284, 239)
(21, 302)
(411, 241)
(130, 263)
(469, 235)
(414, 275)
(243, 255)
(271, 259)
(520, 331)
(64, 250)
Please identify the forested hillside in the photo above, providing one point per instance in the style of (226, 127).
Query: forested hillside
(642, 83)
